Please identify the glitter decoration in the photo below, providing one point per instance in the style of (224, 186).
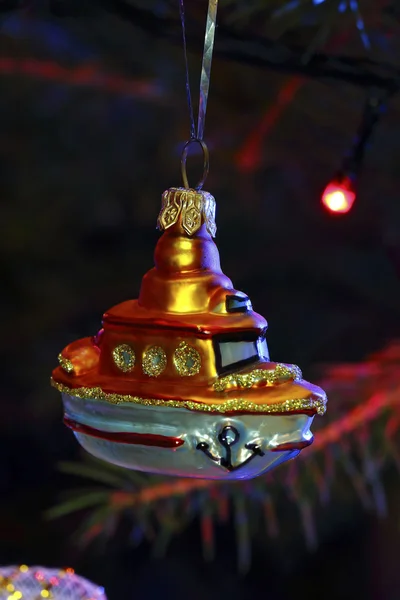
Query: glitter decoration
(65, 364)
(280, 374)
(187, 360)
(36, 583)
(154, 361)
(239, 405)
(124, 357)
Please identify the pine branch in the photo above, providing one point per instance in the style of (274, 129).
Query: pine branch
(81, 76)
(244, 43)
(256, 50)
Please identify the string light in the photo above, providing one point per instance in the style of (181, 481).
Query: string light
(339, 195)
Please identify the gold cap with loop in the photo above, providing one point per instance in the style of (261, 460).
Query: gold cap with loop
(191, 207)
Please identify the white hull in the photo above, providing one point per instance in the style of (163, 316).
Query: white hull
(260, 433)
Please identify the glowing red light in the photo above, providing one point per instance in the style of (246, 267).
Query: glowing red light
(339, 196)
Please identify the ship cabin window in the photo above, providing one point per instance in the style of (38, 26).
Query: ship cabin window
(238, 303)
(239, 349)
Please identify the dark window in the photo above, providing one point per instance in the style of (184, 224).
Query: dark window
(236, 350)
(236, 303)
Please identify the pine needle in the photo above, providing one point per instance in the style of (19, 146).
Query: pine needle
(77, 503)
(87, 471)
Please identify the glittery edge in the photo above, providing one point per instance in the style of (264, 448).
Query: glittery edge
(228, 406)
(257, 376)
(65, 364)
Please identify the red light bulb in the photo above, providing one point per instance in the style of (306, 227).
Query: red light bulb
(339, 195)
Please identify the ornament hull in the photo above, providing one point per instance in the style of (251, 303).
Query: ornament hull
(180, 442)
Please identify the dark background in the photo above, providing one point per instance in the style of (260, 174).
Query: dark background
(92, 123)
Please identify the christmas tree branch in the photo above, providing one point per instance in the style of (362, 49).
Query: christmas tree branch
(247, 45)
(258, 50)
(81, 76)
(358, 417)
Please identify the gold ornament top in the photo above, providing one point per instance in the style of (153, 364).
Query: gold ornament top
(191, 207)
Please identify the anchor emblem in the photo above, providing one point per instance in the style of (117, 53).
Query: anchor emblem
(228, 437)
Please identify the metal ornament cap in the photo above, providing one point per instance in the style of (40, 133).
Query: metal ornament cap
(190, 207)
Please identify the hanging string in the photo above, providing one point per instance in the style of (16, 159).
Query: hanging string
(206, 65)
(197, 136)
(188, 93)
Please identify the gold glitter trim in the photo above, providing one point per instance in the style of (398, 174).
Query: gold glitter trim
(280, 374)
(187, 360)
(65, 364)
(124, 357)
(154, 361)
(229, 406)
(193, 206)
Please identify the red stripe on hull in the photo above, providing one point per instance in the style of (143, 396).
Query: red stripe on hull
(125, 437)
(292, 446)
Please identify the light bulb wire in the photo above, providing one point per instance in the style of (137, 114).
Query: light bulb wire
(197, 135)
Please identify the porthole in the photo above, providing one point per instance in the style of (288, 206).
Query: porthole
(124, 357)
(187, 360)
(154, 361)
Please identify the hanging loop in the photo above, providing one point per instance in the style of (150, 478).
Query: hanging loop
(206, 163)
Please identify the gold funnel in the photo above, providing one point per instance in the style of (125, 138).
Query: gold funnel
(187, 275)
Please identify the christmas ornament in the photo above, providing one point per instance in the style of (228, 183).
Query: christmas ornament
(37, 583)
(179, 381)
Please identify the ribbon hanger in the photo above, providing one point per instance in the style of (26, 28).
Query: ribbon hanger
(197, 135)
